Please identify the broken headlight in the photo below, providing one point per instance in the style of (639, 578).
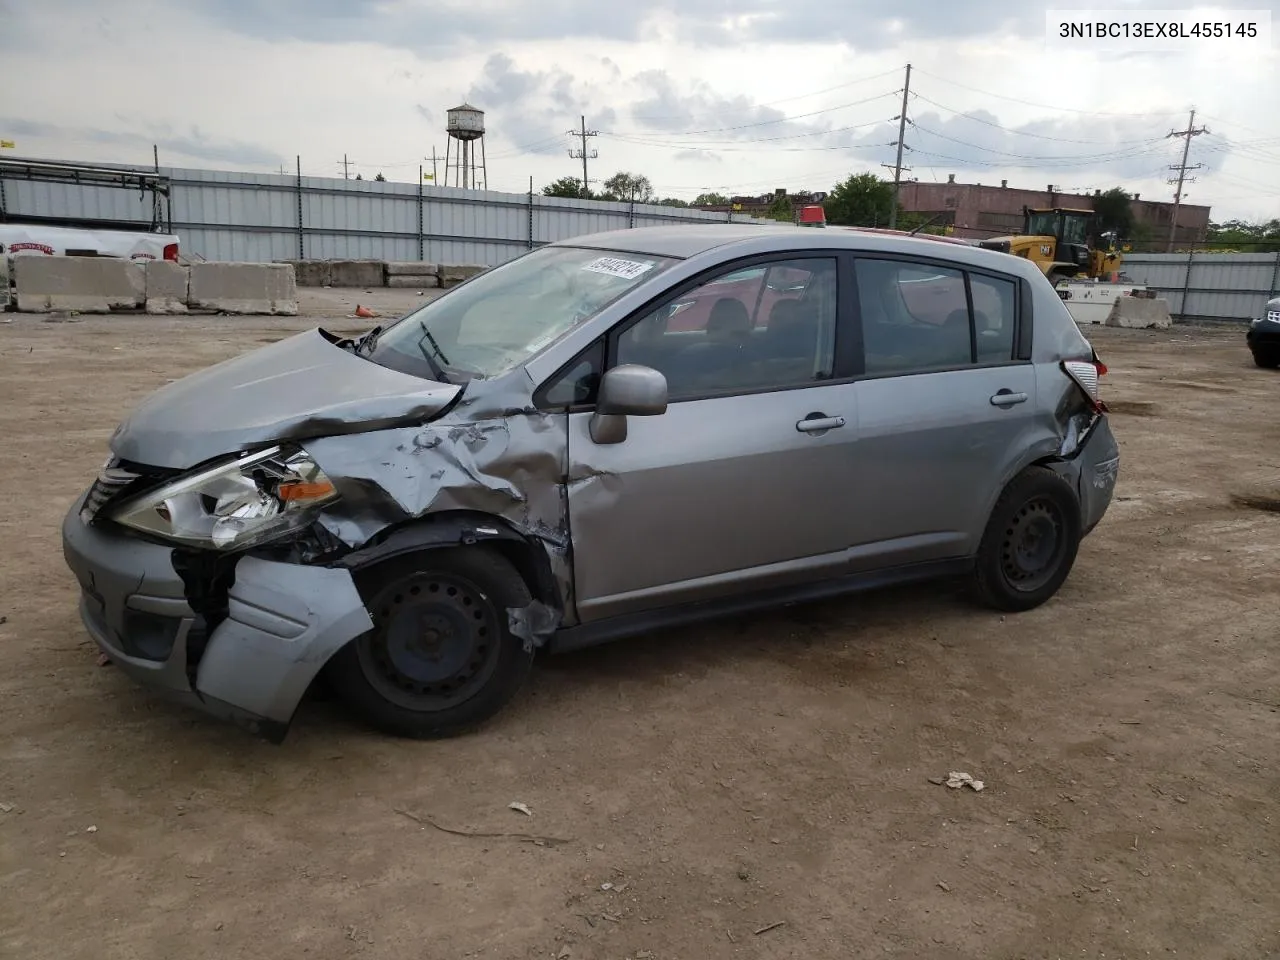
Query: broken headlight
(238, 504)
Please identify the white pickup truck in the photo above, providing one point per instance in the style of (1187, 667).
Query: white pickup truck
(23, 239)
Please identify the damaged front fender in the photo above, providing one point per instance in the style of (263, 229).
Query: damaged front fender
(284, 622)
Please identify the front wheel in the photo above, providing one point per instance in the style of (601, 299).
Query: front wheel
(1030, 543)
(1267, 359)
(440, 658)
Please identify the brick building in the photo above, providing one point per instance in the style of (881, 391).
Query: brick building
(978, 211)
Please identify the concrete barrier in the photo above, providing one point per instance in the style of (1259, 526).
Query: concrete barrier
(452, 274)
(421, 282)
(412, 268)
(83, 284)
(256, 288)
(168, 286)
(1139, 313)
(4, 283)
(310, 273)
(356, 273)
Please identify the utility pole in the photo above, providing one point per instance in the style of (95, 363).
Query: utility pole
(897, 167)
(584, 154)
(346, 168)
(1182, 169)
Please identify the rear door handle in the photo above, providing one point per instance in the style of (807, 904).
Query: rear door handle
(818, 423)
(1007, 398)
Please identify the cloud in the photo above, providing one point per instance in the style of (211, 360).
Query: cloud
(530, 108)
(192, 145)
(1058, 149)
(433, 24)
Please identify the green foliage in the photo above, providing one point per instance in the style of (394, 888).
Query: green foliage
(628, 186)
(782, 209)
(672, 202)
(1111, 211)
(565, 187)
(863, 200)
(380, 178)
(710, 200)
(1245, 237)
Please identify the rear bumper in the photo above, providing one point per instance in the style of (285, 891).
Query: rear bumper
(1097, 465)
(284, 621)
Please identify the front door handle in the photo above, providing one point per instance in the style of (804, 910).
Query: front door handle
(1007, 398)
(819, 423)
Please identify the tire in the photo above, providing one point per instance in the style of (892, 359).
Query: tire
(1267, 359)
(440, 659)
(1030, 543)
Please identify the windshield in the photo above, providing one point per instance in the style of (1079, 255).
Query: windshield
(1043, 225)
(1074, 229)
(504, 316)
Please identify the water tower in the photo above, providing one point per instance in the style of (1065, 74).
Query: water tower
(466, 126)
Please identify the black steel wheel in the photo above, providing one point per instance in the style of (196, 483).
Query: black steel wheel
(1268, 359)
(1030, 543)
(440, 658)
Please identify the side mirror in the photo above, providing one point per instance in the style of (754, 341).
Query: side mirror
(629, 390)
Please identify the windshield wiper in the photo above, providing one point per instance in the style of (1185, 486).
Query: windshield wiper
(370, 340)
(437, 371)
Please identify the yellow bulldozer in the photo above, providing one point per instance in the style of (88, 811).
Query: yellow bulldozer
(1060, 241)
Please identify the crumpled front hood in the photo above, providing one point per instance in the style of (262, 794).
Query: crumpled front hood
(299, 388)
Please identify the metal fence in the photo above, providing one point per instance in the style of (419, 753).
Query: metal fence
(1209, 286)
(262, 217)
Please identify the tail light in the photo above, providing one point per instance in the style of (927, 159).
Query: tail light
(1085, 373)
(171, 251)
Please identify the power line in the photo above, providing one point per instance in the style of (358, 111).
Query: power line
(1043, 106)
(1020, 133)
(798, 116)
(1182, 169)
(801, 96)
(1098, 157)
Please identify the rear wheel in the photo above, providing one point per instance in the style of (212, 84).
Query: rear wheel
(1030, 543)
(440, 658)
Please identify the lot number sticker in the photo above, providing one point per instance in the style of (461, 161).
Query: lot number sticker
(616, 267)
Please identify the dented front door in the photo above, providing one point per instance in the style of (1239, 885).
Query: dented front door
(713, 498)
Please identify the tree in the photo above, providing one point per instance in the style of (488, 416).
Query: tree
(863, 200)
(711, 200)
(564, 187)
(628, 186)
(1245, 237)
(782, 209)
(380, 178)
(1112, 212)
(672, 202)
(358, 177)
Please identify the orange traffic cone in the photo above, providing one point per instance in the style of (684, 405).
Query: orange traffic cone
(364, 313)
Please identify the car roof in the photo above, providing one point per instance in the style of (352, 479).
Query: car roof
(683, 241)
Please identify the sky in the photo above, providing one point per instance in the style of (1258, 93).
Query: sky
(730, 96)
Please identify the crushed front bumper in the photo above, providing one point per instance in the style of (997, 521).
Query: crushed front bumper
(284, 621)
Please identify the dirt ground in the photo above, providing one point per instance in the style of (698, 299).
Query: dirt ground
(708, 782)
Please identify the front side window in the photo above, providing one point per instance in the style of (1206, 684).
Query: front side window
(766, 327)
(500, 319)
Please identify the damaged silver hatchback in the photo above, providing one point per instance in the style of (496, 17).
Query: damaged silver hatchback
(604, 437)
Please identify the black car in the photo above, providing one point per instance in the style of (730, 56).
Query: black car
(1264, 336)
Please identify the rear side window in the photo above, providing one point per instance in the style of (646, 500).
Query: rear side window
(917, 317)
(914, 317)
(993, 317)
